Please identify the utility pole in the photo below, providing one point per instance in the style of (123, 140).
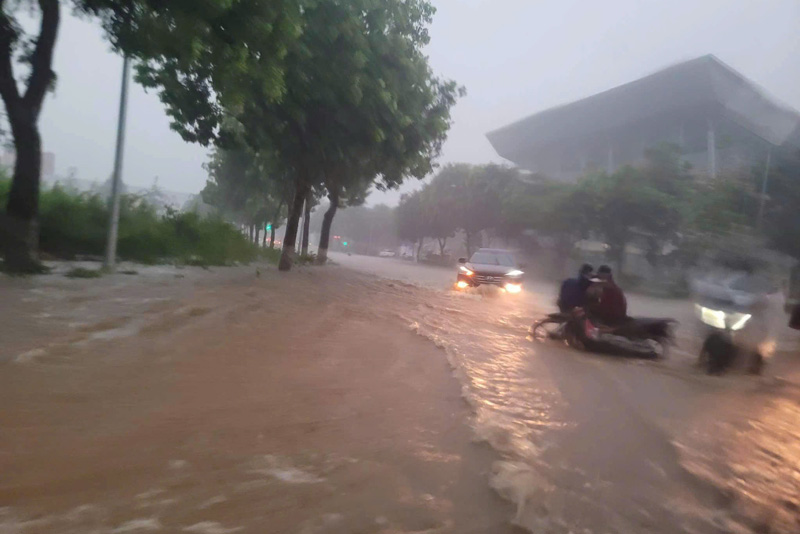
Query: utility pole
(763, 199)
(116, 179)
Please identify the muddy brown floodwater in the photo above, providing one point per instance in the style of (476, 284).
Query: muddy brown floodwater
(328, 400)
(221, 402)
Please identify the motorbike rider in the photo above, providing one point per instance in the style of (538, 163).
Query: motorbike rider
(573, 290)
(611, 308)
(737, 290)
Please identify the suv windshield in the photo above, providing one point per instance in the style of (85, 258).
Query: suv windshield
(489, 258)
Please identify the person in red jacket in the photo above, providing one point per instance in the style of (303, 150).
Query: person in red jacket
(612, 308)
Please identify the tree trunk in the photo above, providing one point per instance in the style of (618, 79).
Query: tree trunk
(306, 225)
(325, 233)
(264, 239)
(20, 227)
(290, 237)
(442, 243)
(19, 231)
(419, 247)
(617, 255)
(468, 243)
(250, 231)
(275, 223)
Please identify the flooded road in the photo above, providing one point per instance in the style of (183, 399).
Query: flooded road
(598, 444)
(322, 401)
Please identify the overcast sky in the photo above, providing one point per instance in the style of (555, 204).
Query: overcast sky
(515, 57)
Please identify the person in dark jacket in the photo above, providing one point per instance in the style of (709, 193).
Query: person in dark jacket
(612, 309)
(573, 290)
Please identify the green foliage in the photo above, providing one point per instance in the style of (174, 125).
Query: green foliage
(306, 259)
(272, 255)
(782, 208)
(367, 229)
(247, 188)
(82, 272)
(410, 218)
(720, 206)
(202, 56)
(361, 102)
(75, 224)
(460, 197)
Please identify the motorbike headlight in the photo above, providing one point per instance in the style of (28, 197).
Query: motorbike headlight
(515, 272)
(720, 319)
(715, 318)
(738, 320)
(466, 271)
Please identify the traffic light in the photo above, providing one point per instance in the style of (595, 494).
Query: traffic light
(344, 243)
(269, 227)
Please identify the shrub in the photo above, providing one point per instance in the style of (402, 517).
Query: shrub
(80, 272)
(73, 224)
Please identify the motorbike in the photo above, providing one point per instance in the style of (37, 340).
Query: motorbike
(641, 337)
(733, 309)
(733, 334)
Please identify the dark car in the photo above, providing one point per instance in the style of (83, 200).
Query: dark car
(490, 266)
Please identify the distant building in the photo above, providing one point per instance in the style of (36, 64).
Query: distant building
(719, 118)
(9, 157)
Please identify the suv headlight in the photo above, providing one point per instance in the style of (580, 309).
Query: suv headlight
(465, 270)
(515, 272)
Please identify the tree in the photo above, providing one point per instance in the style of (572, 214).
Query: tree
(470, 197)
(355, 91)
(626, 205)
(438, 208)
(360, 102)
(209, 50)
(340, 195)
(781, 223)
(23, 110)
(202, 57)
(247, 188)
(410, 219)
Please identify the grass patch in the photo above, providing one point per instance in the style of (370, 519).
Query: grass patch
(306, 259)
(82, 272)
(129, 272)
(36, 268)
(272, 255)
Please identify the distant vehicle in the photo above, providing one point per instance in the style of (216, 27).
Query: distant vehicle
(490, 266)
(387, 253)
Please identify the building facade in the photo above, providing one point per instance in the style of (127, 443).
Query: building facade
(719, 119)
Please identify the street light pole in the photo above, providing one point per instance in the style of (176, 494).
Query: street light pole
(116, 179)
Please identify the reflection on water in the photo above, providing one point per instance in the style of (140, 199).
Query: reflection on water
(588, 442)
